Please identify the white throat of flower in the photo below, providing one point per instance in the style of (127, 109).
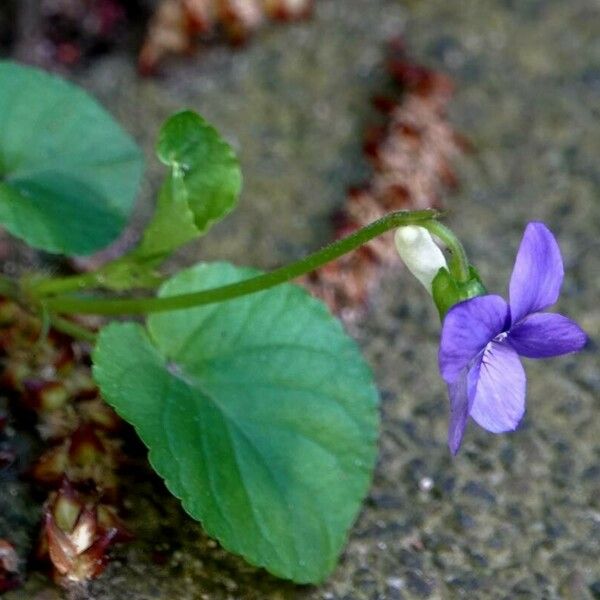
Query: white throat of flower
(420, 253)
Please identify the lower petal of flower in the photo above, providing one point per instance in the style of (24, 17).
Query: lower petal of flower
(468, 328)
(462, 394)
(459, 412)
(499, 399)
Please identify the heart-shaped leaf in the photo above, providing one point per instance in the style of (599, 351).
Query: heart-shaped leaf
(68, 173)
(202, 187)
(259, 413)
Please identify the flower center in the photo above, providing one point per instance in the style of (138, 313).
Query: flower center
(501, 337)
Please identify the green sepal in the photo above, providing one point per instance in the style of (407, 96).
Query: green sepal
(448, 291)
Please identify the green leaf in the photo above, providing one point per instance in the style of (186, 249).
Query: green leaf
(173, 223)
(259, 413)
(68, 173)
(202, 187)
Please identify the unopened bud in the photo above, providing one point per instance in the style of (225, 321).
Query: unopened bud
(420, 253)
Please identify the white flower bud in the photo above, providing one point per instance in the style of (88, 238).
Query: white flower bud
(420, 253)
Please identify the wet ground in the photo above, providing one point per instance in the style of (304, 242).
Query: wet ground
(516, 516)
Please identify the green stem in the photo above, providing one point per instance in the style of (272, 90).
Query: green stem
(8, 288)
(459, 264)
(132, 306)
(72, 329)
(49, 286)
(41, 288)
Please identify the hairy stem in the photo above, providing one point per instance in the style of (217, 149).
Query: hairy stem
(132, 306)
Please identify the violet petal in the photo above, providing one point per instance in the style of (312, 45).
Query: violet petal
(541, 335)
(499, 402)
(459, 412)
(538, 272)
(461, 393)
(468, 327)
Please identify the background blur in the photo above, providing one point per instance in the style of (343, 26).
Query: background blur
(516, 516)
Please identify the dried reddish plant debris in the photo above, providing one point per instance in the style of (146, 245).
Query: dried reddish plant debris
(65, 32)
(7, 455)
(9, 567)
(177, 25)
(411, 152)
(78, 530)
(288, 10)
(82, 27)
(86, 456)
(49, 375)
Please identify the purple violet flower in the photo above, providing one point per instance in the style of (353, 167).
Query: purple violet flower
(482, 339)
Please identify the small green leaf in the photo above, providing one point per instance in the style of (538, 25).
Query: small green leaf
(259, 413)
(202, 187)
(68, 173)
(173, 223)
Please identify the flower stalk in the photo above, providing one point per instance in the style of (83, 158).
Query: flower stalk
(130, 306)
